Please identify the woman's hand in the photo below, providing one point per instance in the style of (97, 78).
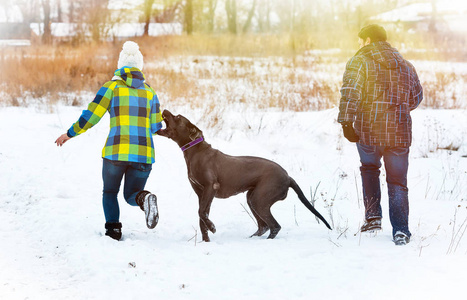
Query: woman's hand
(62, 139)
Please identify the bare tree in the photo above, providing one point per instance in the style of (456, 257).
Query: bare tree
(47, 35)
(432, 25)
(78, 15)
(98, 16)
(264, 22)
(189, 16)
(71, 18)
(212, 4)
(148, 4)
(251, 13)
(59, 11)
(170, 12)
(231, 10)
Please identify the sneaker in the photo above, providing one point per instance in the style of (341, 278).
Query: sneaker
(114, 230)
(150, 210)
(371, 225)
(401, 239)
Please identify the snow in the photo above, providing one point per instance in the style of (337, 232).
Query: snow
(52, 224)
(137, 29)
(130, 4)
(16, 43)
(122, 30)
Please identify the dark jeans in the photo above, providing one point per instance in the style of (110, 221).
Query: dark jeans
(396, 162)
(136, 175)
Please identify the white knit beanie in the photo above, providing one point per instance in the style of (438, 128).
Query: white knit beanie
(130, 56)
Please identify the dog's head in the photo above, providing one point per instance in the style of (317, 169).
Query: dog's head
(179, 129)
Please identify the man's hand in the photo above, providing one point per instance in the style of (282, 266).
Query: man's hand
(349, 132)
(62, 139)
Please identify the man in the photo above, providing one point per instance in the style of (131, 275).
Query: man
(379, 90)
(129, 150)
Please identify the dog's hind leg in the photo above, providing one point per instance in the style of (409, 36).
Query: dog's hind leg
(264, 213)
(262, 198)
(262, 226)
(273, 225)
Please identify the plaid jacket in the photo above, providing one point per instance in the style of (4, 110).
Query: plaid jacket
(134, 116)
(379, 90)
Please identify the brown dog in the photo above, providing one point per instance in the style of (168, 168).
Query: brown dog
(215, 174)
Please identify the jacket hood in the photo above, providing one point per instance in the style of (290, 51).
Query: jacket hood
(132, 77)
(384, 54)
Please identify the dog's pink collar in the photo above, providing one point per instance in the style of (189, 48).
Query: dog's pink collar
(192, 143)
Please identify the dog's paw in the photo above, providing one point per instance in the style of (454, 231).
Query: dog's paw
(260, 231)
(206, 238)
(212, 228)
(210, 225)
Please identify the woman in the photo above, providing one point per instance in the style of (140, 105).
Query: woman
(129, 150)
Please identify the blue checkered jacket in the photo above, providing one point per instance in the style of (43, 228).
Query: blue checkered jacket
(379, 90)
(134, 117)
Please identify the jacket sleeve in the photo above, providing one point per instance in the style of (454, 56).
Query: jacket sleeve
(351, 91)
(156, 115)
(416, 90)
(96, 110)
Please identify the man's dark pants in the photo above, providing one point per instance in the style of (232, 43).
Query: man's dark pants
(396, 163)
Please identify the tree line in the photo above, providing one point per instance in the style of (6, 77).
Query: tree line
(237, 17)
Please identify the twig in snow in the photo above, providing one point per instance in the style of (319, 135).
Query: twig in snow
(337, 245)
(195, 236)
(456, 235)
(295, 214)
(260, 123)
(356, 188)
(343, 232)
(313, 197)
(428, 187)
(254, 221)
(442, 186)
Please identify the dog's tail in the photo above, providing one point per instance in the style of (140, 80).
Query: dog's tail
(307, 203)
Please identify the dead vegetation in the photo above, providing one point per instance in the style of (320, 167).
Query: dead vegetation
(201, 71)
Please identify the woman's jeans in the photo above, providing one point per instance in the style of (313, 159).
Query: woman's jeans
(396, 163)
(136, 175)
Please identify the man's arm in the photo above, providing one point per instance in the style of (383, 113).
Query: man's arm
(351, 91)
(416, 90)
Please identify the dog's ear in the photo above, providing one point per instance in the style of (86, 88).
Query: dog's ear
(195, 133)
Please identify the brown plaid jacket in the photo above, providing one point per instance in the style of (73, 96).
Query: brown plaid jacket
(379, 90)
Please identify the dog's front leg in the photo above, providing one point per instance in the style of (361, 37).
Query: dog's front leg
(204, 207)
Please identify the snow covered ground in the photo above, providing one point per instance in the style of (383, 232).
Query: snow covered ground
(52, 224)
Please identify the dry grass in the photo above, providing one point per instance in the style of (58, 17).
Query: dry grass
(227, 45)
(49, 72)
(201, 71)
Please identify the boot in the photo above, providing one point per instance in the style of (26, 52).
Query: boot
(148, 203)
(401, 239)
(371, 225)
(114, 230)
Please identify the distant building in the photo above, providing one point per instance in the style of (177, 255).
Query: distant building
(428, 16)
